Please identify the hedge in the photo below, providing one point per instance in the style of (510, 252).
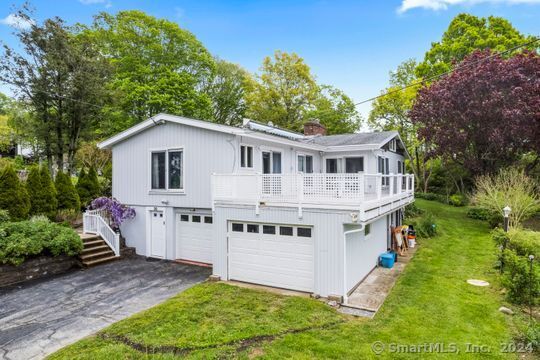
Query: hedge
(24, 239)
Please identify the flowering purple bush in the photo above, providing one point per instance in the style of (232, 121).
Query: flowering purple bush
(116, 211)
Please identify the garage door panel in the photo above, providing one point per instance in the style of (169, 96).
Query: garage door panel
(272, 259)
(194, 239)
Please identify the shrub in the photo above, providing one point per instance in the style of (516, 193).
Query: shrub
(116, 211)
(458, 200)
(66, 194)
(426, 226)
(478, 213)
(13, 196)
(67, 216)
(412, 211)
(42, 192)
(25, 239)
(523, 285)
(88, 186)
(4, 216)
(509, 187)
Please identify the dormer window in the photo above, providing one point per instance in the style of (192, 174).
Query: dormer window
(392, 145)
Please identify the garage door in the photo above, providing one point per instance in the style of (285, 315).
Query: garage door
(194, 237)
(271, 254)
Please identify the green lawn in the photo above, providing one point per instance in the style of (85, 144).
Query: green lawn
(431, 303)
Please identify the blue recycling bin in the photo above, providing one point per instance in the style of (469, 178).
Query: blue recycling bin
(387, 260)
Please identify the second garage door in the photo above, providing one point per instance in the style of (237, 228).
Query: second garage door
(271, 254)
(194, 237)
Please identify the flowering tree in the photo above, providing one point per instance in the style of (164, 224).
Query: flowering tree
(484, 114)
(116, 211)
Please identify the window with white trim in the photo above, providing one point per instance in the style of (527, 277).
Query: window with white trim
(167, 170)
(305, 164)
(383, 168)
(392, 145)
(246, 156)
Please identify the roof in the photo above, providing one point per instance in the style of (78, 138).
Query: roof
(253, 129)
(367, 138)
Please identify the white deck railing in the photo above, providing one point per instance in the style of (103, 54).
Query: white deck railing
(94, 222)
(312, 189)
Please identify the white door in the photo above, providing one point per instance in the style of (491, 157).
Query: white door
(271, 254)
(194, 237)
(157, 241)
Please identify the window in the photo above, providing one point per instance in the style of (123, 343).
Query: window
(167, 170)
(246, 156)
(286, 230)
(271, 162)
(392, 145)
(238, 227)
(208, 220)
(332, 166)
(196, 218)
(354, 165)
(158, 170)
(367, 229)
(184, 217)
(252, 228)
(305, 164)
(303, 232)
(399, 168)
(382, 168)
(175, 170)
(269, 229)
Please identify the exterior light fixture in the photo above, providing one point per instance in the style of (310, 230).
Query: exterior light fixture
(506, 212)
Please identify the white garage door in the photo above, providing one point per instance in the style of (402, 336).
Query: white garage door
(194, 237)
(271, 254)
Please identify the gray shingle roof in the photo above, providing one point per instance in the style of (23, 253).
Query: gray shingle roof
(352, 139)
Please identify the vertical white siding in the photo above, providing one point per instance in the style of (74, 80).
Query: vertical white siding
(363, 252)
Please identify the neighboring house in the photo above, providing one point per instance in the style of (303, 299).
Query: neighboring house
(261, 204)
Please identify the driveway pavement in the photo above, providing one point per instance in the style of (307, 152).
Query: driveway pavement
(39, 318)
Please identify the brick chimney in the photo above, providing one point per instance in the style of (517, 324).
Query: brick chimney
(314, 127)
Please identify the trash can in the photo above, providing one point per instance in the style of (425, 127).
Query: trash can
(387, 260)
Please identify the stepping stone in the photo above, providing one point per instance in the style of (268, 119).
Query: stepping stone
(475, 282)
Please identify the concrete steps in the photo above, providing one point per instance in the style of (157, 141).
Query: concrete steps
(95, 251)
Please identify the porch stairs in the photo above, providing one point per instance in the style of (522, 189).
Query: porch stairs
(95, 250)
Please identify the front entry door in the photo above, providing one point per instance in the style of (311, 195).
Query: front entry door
(157, 241)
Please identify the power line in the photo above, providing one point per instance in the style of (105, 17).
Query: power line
(459, 67)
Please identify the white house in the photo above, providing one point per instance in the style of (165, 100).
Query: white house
(260, 204)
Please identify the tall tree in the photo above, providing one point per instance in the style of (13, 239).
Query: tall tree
(13, 195)
(283, 92)
(158, 67)
(485, 113)
(391, 112)
(60, 74)
(465, 34)
(227, 93)
(335, 110)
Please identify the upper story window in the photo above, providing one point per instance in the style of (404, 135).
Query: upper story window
(383, 168)
(246, 156)
(305, 164)
(392, 145)
(167, 170)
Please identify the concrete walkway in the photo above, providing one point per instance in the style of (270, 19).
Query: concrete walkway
(371, 293)
(39, 318)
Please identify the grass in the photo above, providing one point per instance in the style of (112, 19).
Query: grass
(431, 303)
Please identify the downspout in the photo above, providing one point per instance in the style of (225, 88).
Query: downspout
(345, 297)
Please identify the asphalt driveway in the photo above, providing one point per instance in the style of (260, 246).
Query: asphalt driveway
(42, 317)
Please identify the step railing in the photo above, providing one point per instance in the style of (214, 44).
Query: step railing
(94, 222)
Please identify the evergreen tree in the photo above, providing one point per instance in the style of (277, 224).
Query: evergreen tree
(13, 197)
(35, 193)
(49, 192)
(67, 196)
(88, 186)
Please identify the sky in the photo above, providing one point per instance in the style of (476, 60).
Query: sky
(349, 44)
